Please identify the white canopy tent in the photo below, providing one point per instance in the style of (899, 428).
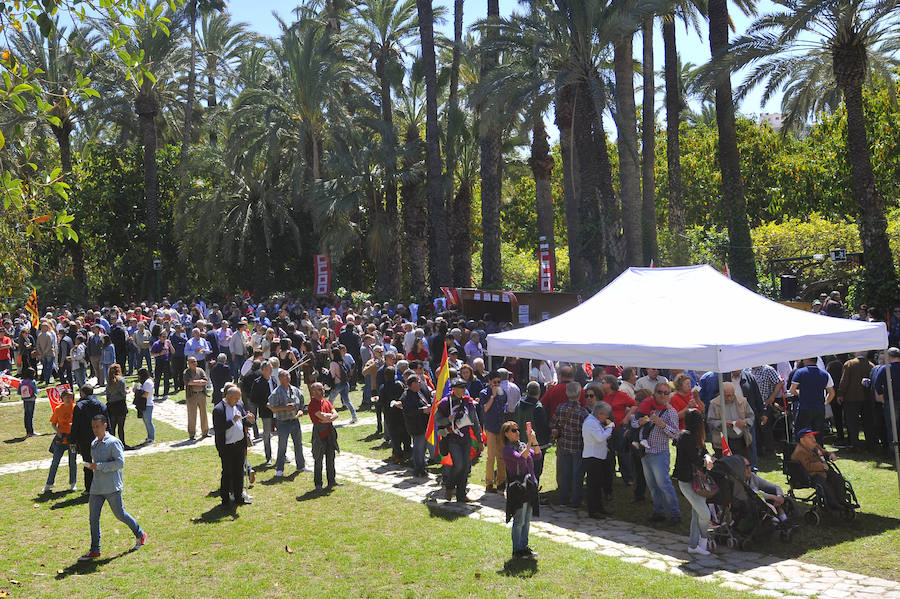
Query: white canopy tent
(687, 317)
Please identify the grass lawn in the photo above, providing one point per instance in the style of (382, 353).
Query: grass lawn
(16, 447)
(867, 545)
(353, 542)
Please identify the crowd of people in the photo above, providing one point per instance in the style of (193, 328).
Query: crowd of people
(258, 362)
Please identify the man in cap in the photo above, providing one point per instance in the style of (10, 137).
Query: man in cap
(460, 418)
(814, 460)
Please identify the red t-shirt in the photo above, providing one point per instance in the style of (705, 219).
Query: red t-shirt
(555, 396)
(679, 401)
(620, 402)
(319, 405)
(5, 353)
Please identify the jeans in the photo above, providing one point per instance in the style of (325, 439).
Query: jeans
(254, 409)
(367, 391)
(267, 437)
(344, 390)
(458, 475)
(292, 428)
(148, 423)
(80, 375)
(163, 373)
(134, 357)
(699, 513)
(418, 453)
(58, 452)
(569, 475)
(521, 524)
(29, 416)
(101, 374)
(235, 366)
(623, 453)
(656, 471)
(142, 355)
(115, 504)
(48, 364)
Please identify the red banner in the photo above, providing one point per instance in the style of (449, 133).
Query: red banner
(9, 381)
(545, 262)
(54, 394)
(323, 274)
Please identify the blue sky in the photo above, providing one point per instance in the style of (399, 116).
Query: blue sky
(693, 48)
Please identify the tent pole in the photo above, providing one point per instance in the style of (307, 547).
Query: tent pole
(895, 446)
(722, 407)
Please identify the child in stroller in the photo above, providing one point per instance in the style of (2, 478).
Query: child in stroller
(744, 513)
(811, 467)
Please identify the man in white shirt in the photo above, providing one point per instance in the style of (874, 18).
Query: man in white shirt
(650, 381)
(512, 391)
(231, 443)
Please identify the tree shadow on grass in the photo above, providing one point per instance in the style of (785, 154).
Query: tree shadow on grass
(216, 514)
(519, 567)
(76, 500)
(88, 567)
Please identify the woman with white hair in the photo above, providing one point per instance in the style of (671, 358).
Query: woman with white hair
(596, 430)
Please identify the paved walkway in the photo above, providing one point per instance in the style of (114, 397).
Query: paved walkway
(632, 543)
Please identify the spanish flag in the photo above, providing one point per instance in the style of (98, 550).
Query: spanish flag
(441, 390)
(31, 306)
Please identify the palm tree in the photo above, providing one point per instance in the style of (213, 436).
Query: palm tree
(412, 188)
(460, 233)
(688, 12)
(438, 259)
(648, 144)
(740, 250)
(491, 166)
(626, 143)
(806, 43)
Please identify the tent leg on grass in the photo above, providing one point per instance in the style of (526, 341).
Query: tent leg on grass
(895, 446)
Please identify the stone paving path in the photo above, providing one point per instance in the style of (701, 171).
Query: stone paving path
(751, 572)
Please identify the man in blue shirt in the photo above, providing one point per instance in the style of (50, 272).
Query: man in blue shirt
(881, 393)
(107, 462)
(493, 403)
(815, 391)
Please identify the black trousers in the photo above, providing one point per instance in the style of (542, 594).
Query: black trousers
(85, 451)
(179, 364)
(163, 373)
(232, 481)
(328, 455)
(117, 413)
(598, 482)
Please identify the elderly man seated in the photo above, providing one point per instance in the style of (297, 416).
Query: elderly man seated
(767, 491)
(737, 416)
(814, 460)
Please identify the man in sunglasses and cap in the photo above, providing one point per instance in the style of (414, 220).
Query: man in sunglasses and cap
(459, 417)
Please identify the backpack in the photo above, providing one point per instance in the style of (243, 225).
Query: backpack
(345, 372)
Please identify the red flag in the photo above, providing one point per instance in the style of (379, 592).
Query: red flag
(726, 450)
(54, 394)
(9, 381)
(589, 369)
(652, 265)
(441, 389)
(725, 272)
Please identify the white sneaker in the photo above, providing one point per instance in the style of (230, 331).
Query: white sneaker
(74, 487)
(354, 420)
(47, 489)
(279, 473)
(700, 549)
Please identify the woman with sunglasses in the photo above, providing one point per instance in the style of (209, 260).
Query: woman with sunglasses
(521, 488)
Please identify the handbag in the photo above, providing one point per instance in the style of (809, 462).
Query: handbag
(703, 484)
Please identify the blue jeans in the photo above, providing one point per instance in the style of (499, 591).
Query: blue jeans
(418, 453)
(457, 476)
(101, 376)
(267, 437)
(699, 513)
(235, 366)
(367, 390)
(148, 423)
(292, 428)
(28, 404)
(48, 363)
(134, 357)
(569, 476)
(656, 472)
(142, 354)
(80, 375)
(623, 453)
(521, 524)
(58, 452)
(115, 504)
(344, 390)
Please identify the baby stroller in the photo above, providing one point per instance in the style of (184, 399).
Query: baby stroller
(740, 515)
(799, 480)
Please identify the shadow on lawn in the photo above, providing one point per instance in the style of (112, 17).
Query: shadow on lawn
(15, 440)
(87, 567)
(315, 494)
(52, 495)
(519, 567)
(448, 510)
(76, 500)
(216, 514)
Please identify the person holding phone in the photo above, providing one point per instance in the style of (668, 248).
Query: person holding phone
(231, 443)
(597, 430)
(522, 492)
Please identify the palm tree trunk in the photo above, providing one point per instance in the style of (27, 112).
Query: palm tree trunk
(460, 238)
(563, 118)
(145, 105)
(391, 218)
(211, 102)
(648, 146)
(415, 221)
(880, 275)
(191, 88)
(588, 146)
(626, 142)
(437, 230)
(491, 158)
(674, 106)
(76, 248)
(541, 163)
(740, 250)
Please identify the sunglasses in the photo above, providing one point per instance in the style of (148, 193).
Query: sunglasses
(589, 395)
(664, 392)
(513, 430)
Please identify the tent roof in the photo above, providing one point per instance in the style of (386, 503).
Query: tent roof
(685, 317)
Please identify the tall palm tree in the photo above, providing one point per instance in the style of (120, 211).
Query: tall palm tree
(412, 188)
(386, 27)
(687, 11)
(491, 167)
(460, 234)
(627, 145)
(438, 259)
(740, 249)
(648, 143)
(805, 42)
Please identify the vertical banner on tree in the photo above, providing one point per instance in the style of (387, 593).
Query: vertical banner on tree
(545, 267)
(54, 394)
(323, 274)
(31, 306)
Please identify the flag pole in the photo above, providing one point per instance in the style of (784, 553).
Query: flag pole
(895, 447)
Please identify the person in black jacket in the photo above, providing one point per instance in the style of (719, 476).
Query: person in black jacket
(231, 443)
(691, 455)
(416, 401)
(389, 398)
(350, 339)
(750, 390)
(119, 338)
(262, 388)
(246, 384)
(82, 414)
